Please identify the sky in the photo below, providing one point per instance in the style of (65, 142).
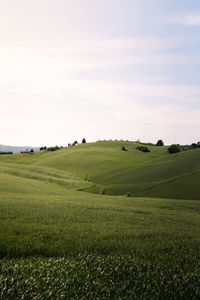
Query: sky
(99, 69)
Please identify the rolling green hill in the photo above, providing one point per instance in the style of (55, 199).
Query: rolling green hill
(57, 241)
(172, 176)
(153, 174)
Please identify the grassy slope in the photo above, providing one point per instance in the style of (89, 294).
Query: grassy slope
(99, 246)
(171, 176)
(60, 243)
(154, 174)
(89, 159)
(38, 217)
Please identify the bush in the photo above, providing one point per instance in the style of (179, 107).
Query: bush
(53, 148)
(174, 149)
(159, 143)
(4, 152)
(74, 143)
(143, 148)
(128, 194)
(194, 145)
(102, 191)
(83, 141)
(43, 148)
(124, 149)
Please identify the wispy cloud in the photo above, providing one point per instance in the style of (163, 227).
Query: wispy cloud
(188, 19)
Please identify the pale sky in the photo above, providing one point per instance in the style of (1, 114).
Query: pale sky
(99, 69)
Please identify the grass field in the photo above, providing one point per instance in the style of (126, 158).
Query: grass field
(58, 241)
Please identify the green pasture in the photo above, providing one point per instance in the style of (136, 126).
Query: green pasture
(57, 241)
(104, 164)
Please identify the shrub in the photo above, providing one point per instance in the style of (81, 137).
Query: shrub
(143, 148)
(83, 141)
(124, 149)
(74, 143)
(159, 143)
(53, 148)
(174, 149)
(128, 194)
(4, 152)
(102, 191)
(194, 145)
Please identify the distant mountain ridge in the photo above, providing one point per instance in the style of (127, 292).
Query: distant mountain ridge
(17, 149)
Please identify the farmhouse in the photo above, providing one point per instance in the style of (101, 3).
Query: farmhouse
(25, 152)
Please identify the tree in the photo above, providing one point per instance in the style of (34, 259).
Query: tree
(143, 148)
(124, 149)
(174, 149)
(74, 143)
(159, 143)
(55, 148)
(194, 146)
(83, 141)
(32, 151)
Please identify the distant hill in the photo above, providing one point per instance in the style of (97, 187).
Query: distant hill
(156, 174)
(16, 149)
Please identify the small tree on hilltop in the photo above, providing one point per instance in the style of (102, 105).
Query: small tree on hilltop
(83, 141)
(194, 145)
(159, 143)
(74, 143)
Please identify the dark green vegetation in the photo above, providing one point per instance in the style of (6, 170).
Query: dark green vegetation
(174, 149)
(57, 241)
(143, 148)
(124, 149)
(160, 143)
(6, 152)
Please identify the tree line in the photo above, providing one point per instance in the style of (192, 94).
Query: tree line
(55, 148)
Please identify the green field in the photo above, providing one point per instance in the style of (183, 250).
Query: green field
(59, 238)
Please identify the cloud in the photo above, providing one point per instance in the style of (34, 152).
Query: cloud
(188, 20)
(46, 88)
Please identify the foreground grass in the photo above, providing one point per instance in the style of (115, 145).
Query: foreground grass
(72, 222)
(58, 243)
(61, 243)
(170, 275)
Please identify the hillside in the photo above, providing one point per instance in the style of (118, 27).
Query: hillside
(57, 239)
(172, 176)
(153, 174)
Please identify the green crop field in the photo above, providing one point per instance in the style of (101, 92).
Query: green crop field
(61, 239)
